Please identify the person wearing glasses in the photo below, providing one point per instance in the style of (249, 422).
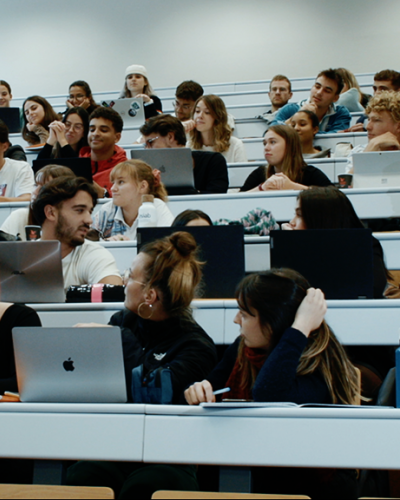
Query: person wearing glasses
(80, 95)
(68, 137)
(209, 168)
(186, 96)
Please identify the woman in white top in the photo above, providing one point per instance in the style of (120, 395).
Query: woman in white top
(212, 132)
(118, 219)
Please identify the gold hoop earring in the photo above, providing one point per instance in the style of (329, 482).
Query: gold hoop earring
(149, 310)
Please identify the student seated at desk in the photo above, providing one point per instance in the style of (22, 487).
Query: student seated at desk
(306, 125)
(285, 353)
(16, 177)
(68, 137)
(12, 315)
(137, 85)
(212, 131)
(37, 116)
(286, 167)
(192, 218)
(64, 209)
(80, 96)
(118, 219)
(165, 350)
(5, 94)
(330, 208)
(18, 219)
(209, 169)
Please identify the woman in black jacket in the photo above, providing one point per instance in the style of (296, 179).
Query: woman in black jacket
(165, 350)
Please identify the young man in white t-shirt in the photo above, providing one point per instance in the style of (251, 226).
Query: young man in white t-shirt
(16, 177)
(64, 209)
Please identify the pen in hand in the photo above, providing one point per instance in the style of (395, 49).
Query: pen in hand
(221, 391)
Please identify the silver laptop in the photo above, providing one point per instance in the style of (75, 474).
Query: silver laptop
(31, 272)
(69, 365)
(376, 169)
(175, 164)
(131, 110)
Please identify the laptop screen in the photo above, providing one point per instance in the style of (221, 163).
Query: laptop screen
(81, 167)
(338, 261)
(12, 118)
(221, 249)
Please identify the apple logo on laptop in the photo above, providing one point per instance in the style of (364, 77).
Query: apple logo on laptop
(69, 365)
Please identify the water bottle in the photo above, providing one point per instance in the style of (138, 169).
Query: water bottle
(147, 212)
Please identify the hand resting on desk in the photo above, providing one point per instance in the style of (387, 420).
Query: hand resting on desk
(200, 392)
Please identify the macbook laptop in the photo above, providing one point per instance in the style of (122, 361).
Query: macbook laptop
(176, 167)
(31, 272)
(69, 365)
(81, 167)
(376, 169)
(222, 250)
(12, 118)
(338, 261)
(130, 110)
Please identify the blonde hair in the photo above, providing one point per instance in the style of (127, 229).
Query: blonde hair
(386, 101)
(222, 131)
(175, 271)
(139, 171)
(350, 80)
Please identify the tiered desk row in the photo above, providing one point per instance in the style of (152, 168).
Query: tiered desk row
(318, 437)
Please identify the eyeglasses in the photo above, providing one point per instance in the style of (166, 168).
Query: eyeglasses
(77, 126)
(149, 142)
(186, 107)
(77, 96)
(127, 277)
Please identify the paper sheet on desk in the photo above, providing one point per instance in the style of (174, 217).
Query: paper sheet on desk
(243, 404)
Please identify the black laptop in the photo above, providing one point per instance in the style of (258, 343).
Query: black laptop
(338, 261)
(222, 250)
(81, 167)
(12, 118)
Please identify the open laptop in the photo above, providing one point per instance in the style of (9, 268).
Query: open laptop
(130, 110)
(81, 167)
(176, 167)
(222, 250)
(12, 118)
(376, 169)
(338, 261)
(31, 272)
(69, 365)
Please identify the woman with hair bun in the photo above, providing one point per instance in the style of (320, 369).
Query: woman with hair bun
(165, 351)
(118, 219)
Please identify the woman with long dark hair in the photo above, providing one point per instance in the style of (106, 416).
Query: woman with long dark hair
(286, 168)
(68, 137)
(286, 352)
(37, 116)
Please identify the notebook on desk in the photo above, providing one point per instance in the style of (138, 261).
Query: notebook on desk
(12, 118)
(376, 169)
(130, 110)
(221, 249)
(176, 167)
(69, 365)
(81, 167)
(338, 261)
(31, 272)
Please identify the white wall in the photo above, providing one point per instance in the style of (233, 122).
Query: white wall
(49, 43)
